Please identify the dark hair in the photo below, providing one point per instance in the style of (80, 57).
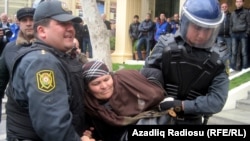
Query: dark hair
(43, 22)
(136, 16)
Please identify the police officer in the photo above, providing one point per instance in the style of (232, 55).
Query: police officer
(24, 39)
(46, 83)
(194, 71)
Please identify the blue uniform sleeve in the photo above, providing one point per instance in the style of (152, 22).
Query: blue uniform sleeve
(214, 101)
(40, 78)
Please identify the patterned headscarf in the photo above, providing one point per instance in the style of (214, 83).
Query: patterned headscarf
(93, 70)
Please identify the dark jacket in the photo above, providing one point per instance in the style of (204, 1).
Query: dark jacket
(108, 24)
(133, 30)
(4, 72)
(48, 92)
(3, 41)
(7, 57)
(85, 32)
(225, 26)
(2, 45)
(240, 21)
(146, 29)
(79, 33)
(217, 91)
(5, 61)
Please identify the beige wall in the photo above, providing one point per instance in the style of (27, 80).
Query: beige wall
(13, 6)
(125, 12)
(126, 9)
(107, 7)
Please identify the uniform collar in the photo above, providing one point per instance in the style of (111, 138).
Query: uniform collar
(50, 48)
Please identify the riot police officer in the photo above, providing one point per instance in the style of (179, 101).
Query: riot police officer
(194, 68)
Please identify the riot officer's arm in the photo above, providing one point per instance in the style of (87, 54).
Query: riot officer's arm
(47, 91)
(214, 101)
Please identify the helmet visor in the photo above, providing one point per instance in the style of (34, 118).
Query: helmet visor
(199, 32)
(206, 23)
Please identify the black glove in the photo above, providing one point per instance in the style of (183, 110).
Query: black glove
(176, 104)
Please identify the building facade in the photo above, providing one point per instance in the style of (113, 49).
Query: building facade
(120, 12)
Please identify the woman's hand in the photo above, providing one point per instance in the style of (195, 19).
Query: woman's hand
(87, 135)
(87, 138)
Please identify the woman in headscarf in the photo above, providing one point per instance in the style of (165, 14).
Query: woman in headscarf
(115, 100)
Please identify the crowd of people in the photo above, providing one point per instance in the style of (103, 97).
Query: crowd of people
(234, 33)
(55, 93)
(144, 35)
(7, 25)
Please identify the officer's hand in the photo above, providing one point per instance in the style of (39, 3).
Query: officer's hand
(176, 104)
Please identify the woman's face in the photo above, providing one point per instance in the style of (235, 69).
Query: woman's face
(102, 87)
(197, 35)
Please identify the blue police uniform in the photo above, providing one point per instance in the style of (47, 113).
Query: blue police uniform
(194, 73)
(42, 97)
(195, 104)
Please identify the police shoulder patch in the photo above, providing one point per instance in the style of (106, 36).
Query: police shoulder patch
(45, 80)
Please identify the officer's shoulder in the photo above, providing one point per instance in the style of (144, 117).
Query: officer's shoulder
(38, 54)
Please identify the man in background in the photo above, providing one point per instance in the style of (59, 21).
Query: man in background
(146, 35)
(134, 32)
(224, 37)
(240, 28)
(107, 23)
(5, 31)
(24, 39)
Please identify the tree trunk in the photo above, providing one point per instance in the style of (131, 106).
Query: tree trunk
(99, 35)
